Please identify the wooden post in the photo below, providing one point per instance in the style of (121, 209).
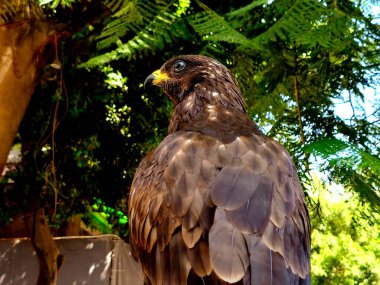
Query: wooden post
(44, 245)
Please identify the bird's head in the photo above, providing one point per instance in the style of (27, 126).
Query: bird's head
(200, 76)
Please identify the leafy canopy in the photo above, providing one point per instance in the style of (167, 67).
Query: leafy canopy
(293, 59)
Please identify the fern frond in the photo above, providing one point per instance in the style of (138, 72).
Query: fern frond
(354, 181)
(7, 11)
(301, 19)
(116, 5)
(163, 30)
(246, 9)
(327, 147)
(245, 70)
(352, 167)
(215, 50)
(131, 16)
(214, 28)
(11, 11)
(339, 152)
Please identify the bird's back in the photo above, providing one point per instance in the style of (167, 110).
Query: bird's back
(217, 201)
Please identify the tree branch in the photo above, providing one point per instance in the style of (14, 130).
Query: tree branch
(297, 96)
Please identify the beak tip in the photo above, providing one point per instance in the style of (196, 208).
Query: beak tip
(149, 81)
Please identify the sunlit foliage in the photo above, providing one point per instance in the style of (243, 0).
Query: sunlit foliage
(345, 239)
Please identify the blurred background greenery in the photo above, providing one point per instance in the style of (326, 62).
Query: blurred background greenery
(308, 69)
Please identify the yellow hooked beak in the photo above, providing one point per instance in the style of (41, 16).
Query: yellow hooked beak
(156, 78)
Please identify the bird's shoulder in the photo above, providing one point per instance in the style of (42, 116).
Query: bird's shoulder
(247, 177)
(229, 139)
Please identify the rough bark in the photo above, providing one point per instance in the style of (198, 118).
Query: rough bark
(21, 45)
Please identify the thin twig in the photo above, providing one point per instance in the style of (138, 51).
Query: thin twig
(297, 96)
(54, 127)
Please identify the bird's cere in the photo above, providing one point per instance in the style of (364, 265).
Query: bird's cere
(159, 77)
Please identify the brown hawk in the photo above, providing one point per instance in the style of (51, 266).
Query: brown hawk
(217, 201)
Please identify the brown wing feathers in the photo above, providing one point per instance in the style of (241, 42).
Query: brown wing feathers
(217, 200)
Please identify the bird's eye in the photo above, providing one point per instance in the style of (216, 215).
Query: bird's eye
(179, 65)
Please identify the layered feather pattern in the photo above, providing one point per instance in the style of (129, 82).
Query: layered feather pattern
(217, 202)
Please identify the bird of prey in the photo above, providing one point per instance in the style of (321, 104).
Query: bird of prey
(217, 202)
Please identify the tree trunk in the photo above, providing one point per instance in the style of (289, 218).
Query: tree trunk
(44, 245)
(21, 45)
